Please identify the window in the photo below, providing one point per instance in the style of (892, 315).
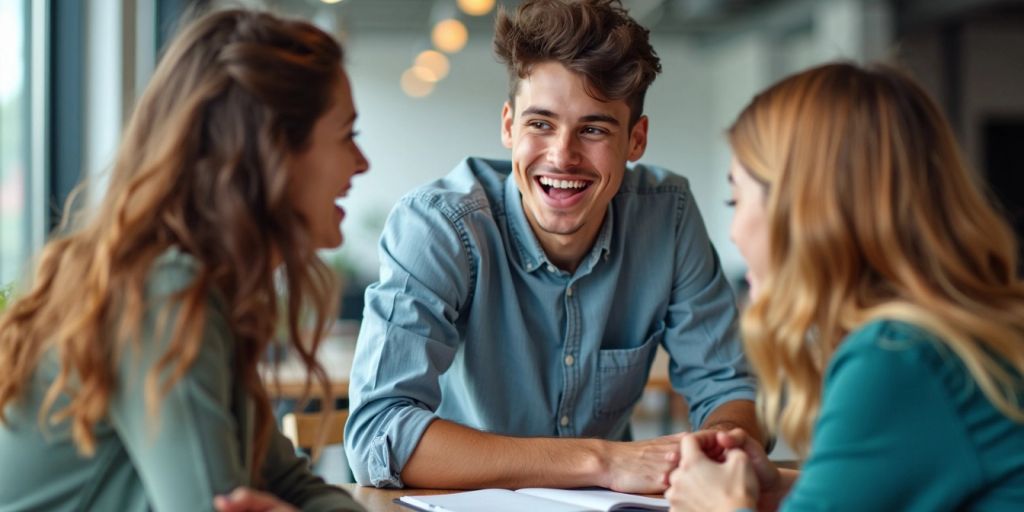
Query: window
(14, 141)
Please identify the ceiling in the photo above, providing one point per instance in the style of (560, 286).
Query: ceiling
(702, 20)
(680, 16)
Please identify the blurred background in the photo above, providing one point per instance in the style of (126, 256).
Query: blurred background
(429, 92)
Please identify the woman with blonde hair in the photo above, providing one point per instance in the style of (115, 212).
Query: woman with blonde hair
(129, 370)
(887, 322)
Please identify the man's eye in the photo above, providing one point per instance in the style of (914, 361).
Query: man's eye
(731, 203)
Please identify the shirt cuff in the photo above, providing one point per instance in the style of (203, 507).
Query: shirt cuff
(392, 447)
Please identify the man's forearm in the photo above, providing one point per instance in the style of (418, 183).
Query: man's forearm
(451, 456)
(736, 414)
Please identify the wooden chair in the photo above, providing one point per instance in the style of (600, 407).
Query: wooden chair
(310, 431)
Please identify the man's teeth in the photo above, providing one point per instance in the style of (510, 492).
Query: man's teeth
(544, 180)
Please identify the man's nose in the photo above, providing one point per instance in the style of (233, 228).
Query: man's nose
(564, 152)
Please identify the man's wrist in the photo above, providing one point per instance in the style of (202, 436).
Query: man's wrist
(596, 465)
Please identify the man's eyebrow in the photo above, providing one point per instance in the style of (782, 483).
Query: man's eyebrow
(600, 118)
(590, 118)
(538, 111)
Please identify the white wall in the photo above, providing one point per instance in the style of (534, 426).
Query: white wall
(411, 141)
(701, 89)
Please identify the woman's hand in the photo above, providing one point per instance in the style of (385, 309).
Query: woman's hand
(703, 484)
(244, 499)
(768, 476)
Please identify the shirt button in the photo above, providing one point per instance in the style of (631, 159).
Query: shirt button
(565, 421)
(569, 360)
(568, 292)
(551, 268)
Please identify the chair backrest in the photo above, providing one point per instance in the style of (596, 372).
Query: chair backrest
(312, 431)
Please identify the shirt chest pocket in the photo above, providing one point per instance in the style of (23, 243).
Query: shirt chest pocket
(622, 375)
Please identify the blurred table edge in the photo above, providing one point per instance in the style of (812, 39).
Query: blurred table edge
(383, 500)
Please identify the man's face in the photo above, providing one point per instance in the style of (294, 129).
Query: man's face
(569, 152)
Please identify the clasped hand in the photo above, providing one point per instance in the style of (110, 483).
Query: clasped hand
(717, 470)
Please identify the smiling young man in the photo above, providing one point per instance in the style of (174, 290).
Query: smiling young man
(521, 302)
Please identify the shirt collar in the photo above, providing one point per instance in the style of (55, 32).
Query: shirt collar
(530, 252)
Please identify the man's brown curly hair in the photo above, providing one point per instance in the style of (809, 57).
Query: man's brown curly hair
(595, 38)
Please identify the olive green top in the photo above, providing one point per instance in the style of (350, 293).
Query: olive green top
(199, 446)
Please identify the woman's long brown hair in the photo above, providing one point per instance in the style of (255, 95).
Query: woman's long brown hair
(872, 213)
(202, 167)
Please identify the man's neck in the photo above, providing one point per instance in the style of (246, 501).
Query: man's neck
(567, 251)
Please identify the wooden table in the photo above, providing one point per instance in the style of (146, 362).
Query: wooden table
(382, 500)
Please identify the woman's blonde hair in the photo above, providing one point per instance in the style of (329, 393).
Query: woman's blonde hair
(202, 167)
(872, 213)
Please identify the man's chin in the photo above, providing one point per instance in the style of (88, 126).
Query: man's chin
(561, 227)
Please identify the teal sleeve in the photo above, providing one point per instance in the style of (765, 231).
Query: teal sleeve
(888, 436)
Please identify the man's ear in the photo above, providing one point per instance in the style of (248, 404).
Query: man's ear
(638, 139)
(507, 113)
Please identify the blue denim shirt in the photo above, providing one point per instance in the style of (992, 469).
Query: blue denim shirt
(472, 323)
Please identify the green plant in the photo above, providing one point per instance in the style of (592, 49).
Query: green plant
(5, 295)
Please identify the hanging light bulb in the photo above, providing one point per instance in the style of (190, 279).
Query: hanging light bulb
(330, 1)
(449, 35)
(476, 7)
(424, 74)
(414, 86)
(435, 61)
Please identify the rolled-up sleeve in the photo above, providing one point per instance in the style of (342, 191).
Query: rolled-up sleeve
(708, 365)
(408, 338)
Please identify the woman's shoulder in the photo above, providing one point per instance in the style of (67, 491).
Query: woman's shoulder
(889, 347)
(893, 337)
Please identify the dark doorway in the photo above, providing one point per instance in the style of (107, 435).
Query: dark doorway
(1004, 167)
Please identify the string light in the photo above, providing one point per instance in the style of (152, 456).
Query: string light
(414, 86)
(449, 35)
(476, 7)
(434, 61)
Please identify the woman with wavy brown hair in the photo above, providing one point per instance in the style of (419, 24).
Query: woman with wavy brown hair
(887, 322)
(128, 371)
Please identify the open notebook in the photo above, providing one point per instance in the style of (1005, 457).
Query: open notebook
(534, 500)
